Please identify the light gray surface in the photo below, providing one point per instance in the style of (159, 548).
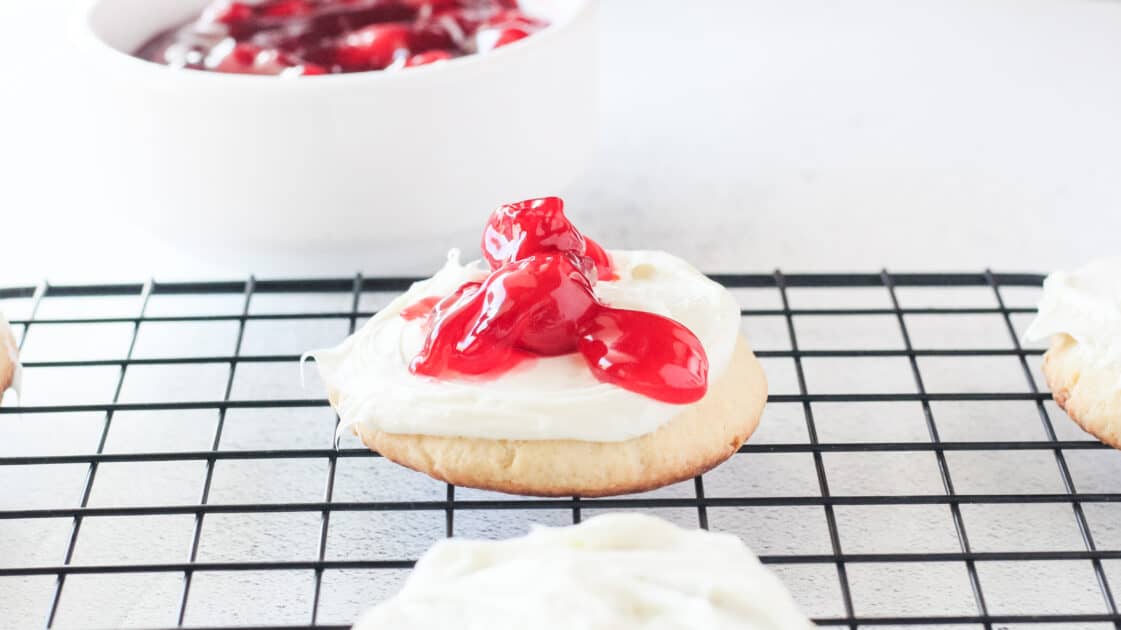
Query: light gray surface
(260, 597)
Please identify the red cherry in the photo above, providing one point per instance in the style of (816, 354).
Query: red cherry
(509, 36)
(286, 8)
(231, 12)
(373, 47)
(311, 69)
(537, 305)
(554, 297)
(429, 35)
(436, 5)
(426, 58)
(242, 59)
(491, 38)
(647, 354)
(245, 54)
(454, 343)
(518, 230)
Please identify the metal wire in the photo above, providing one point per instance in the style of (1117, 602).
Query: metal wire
(197, 533)
(701, 502)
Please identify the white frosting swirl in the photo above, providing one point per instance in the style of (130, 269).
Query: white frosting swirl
(1085, 304)
(612, 571)
(548, 398)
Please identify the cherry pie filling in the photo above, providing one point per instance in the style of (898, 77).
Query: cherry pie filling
(539, 301)
(311, 37)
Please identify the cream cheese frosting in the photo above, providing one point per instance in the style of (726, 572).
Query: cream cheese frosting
(1085, 304)
(613, 571)
(547, 398)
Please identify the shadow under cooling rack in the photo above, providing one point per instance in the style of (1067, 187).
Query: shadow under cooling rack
(165, 469)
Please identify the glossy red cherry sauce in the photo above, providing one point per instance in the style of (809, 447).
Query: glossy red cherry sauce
(309, 37)
(539, 300)
(423, 308)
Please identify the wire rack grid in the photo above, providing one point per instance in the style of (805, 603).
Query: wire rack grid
(164, 468)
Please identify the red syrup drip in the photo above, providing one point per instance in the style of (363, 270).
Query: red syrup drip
(422, 308)
(647, 354)
(539, 300)
(310, 37)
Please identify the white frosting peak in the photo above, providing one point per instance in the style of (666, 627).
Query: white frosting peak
(1085, 304)
(613, 571)
(548, 398)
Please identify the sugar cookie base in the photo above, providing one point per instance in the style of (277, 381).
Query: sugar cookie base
(1088, 394)
(702, 436)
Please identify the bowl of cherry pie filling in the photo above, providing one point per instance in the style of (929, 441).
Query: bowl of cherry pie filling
(325, 124)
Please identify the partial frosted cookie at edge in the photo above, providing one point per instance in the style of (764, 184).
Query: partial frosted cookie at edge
(1081, 314)
(610, 572)
(10, 370)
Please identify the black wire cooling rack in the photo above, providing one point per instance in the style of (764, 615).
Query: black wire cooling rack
(952, 365)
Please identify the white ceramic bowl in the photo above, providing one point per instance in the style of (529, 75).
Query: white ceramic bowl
(338, 161)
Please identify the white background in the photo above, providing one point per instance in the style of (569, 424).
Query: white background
(743, 135)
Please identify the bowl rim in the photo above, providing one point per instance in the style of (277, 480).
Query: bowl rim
(82, 31)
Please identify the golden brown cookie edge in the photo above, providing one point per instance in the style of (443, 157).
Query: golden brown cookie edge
(1087, 394)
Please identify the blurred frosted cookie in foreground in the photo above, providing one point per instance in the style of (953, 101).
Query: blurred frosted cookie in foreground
(612, 571)
(1081, 313)
(9, 357)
